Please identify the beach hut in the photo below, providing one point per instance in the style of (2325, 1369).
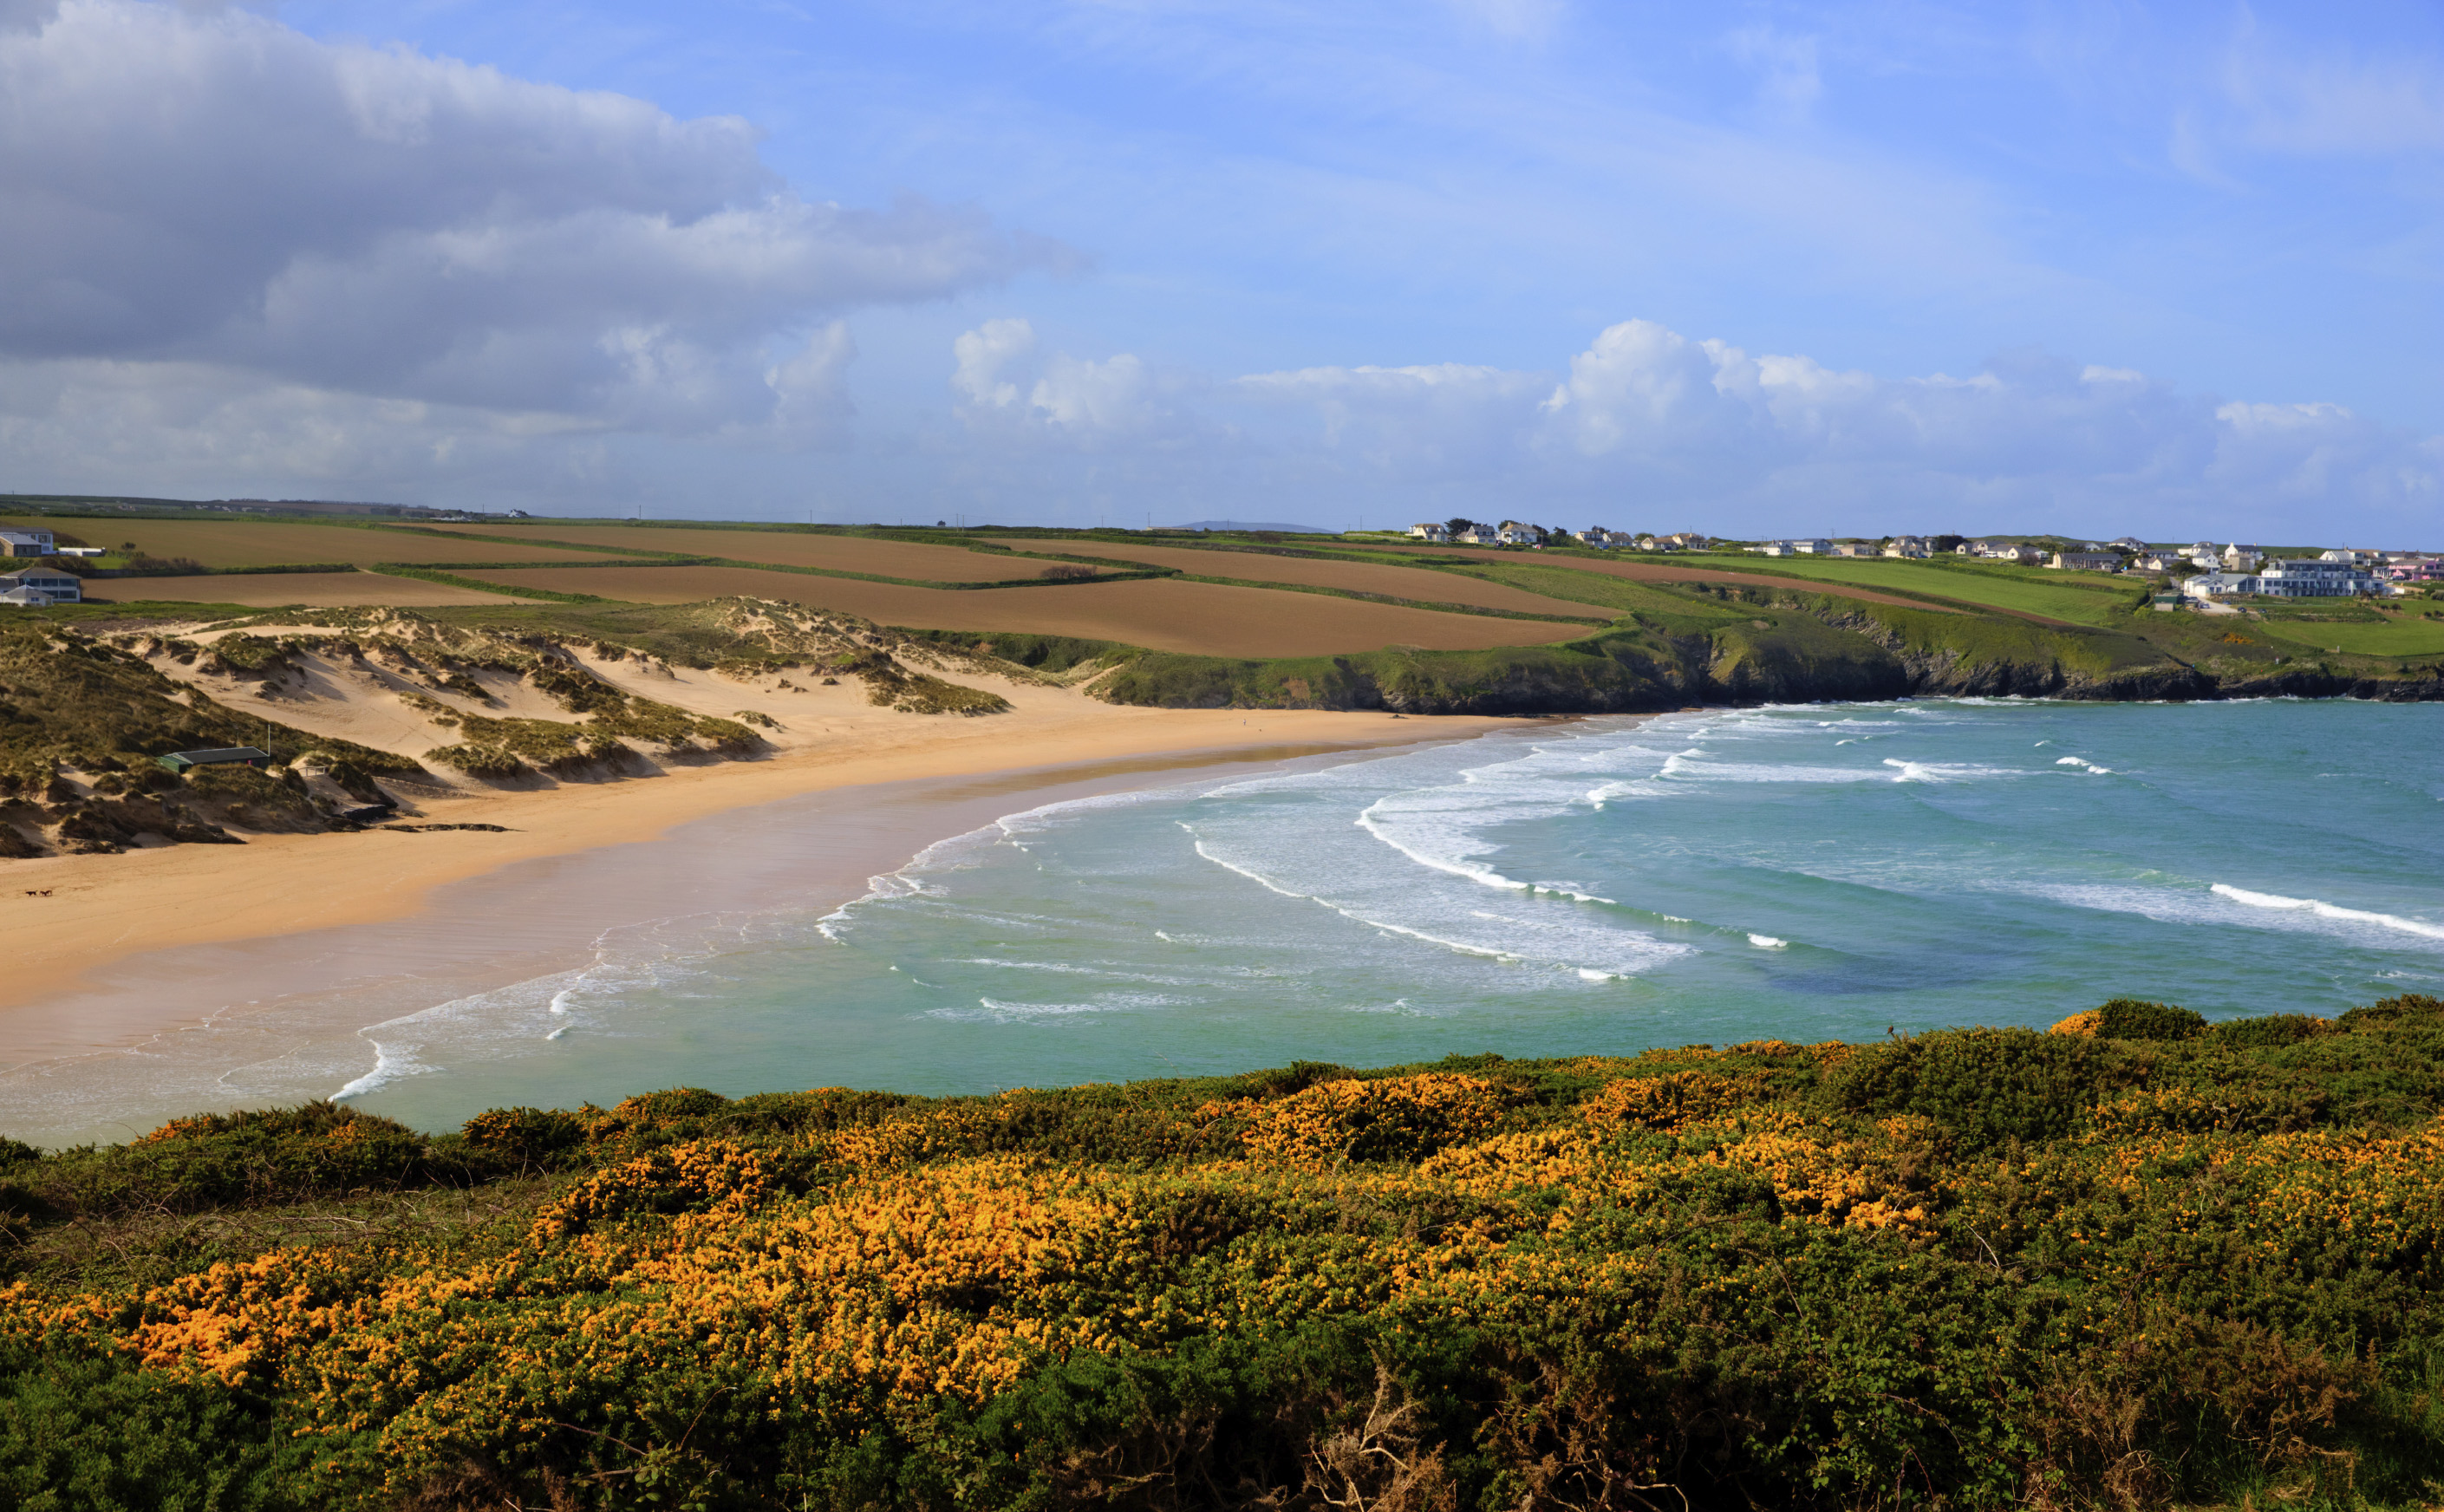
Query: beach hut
(178, 761)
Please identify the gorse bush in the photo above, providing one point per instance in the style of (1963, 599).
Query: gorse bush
(2137, 1262)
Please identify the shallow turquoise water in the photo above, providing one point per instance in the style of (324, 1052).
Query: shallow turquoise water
(1802, 873)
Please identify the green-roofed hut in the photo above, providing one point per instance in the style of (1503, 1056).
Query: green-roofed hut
(178, 761)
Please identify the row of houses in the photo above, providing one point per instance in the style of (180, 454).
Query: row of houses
(1520, 533)
(2293, 578)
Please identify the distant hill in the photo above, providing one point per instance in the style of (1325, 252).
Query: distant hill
(1252, 524)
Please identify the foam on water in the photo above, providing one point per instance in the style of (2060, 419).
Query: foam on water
(2329, 910)
(1599, 887)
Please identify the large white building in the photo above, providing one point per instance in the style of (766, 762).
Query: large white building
(2294, 577)
(40, 585)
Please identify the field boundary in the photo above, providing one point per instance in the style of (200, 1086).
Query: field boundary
(450, 579)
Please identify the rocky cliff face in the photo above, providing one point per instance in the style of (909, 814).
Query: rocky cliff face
(1794, 652)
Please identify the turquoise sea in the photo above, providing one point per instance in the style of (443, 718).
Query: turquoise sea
(1806, 873)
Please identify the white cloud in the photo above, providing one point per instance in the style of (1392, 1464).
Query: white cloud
(213, 190)
(1647, 421)
(1083, 401)
(983, 354)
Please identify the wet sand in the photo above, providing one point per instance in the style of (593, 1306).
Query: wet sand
(172, 981)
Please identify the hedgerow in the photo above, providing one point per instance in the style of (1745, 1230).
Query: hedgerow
(2139, 1262)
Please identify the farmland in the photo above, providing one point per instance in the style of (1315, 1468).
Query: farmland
(2080, 597)
(1418, 585)
(2376, 634)
(1203, 619)
(837, 553)
(272, 590)
(2083, 598)
(274, 544)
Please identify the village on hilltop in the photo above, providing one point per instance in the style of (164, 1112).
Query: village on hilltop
(2199, 573)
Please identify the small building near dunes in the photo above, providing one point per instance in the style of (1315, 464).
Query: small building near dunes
(180, 761)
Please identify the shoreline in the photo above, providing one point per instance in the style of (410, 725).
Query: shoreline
(200, 971)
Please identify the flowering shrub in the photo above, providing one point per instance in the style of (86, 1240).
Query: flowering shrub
(1976, 1269)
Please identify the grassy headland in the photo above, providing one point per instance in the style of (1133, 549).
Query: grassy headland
(2139, 1262)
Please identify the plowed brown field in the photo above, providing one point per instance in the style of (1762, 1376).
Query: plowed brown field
(271, 544)
(1357, 576)
(1203, 617)
(271, 590)
(889, 559)
(1642, 571)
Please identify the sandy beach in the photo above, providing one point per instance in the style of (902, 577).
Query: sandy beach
(113, 951)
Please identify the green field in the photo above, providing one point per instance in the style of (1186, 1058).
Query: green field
(2409, 636)
(2081, 598)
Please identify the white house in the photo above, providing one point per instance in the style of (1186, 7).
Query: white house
(1517, 533)
(1908, 546)
(2292, 578)
(40, 585)
(26, 543)
(2364, 559)
(2242, 559)
(2216, 584)
(1429, 531)
(1600, 537)
(2128, 543)
(2088, 560)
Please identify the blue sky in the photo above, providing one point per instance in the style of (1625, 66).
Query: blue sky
(1777, 268)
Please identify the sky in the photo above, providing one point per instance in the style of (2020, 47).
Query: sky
(2097, 268)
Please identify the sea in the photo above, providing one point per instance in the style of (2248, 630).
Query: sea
(1602, 886)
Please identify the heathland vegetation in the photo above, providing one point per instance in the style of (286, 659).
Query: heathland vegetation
(2142, 1260)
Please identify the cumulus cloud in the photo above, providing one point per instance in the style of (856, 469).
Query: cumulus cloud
(212, 190)
(1006, 391)
(1645, 420)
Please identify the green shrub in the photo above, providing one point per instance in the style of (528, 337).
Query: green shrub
(79, 1433)
(2411, 1011)
(2269, 1031)
(2132, 1019)
(1985, 1085)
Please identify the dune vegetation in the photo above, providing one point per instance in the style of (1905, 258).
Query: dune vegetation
(2142, 1260)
